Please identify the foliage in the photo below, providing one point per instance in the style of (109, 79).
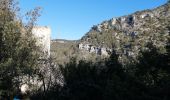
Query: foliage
(146, 80)
(18, 51)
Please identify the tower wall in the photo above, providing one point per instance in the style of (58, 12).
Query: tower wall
(42, 33)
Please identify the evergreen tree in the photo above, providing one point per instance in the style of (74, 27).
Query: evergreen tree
(18, 51)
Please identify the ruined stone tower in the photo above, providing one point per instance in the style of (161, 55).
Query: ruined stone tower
(42, 33)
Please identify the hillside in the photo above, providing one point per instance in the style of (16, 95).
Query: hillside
(127, 35)
(63, 50)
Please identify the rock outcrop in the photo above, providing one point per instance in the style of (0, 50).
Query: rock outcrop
(126, 35)
(94, 49)
(129, 34)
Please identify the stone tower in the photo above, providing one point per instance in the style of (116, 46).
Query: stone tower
(42, 33)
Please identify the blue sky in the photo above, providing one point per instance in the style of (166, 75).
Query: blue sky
(71, 19)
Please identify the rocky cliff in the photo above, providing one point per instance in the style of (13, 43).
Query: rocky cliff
(127, 35)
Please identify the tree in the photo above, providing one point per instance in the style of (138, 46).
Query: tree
(18, 50)
(153, 71)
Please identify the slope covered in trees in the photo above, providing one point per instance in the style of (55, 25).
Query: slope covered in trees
(127, 35)
(118, 77)
(147, 79)
(138, 68)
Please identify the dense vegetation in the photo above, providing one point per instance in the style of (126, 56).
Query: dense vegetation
(148, 79)
(18, 51)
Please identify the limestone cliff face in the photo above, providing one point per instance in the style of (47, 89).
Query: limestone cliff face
(135, 21)
(42, 33)
(126, 35)
(129, 34)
